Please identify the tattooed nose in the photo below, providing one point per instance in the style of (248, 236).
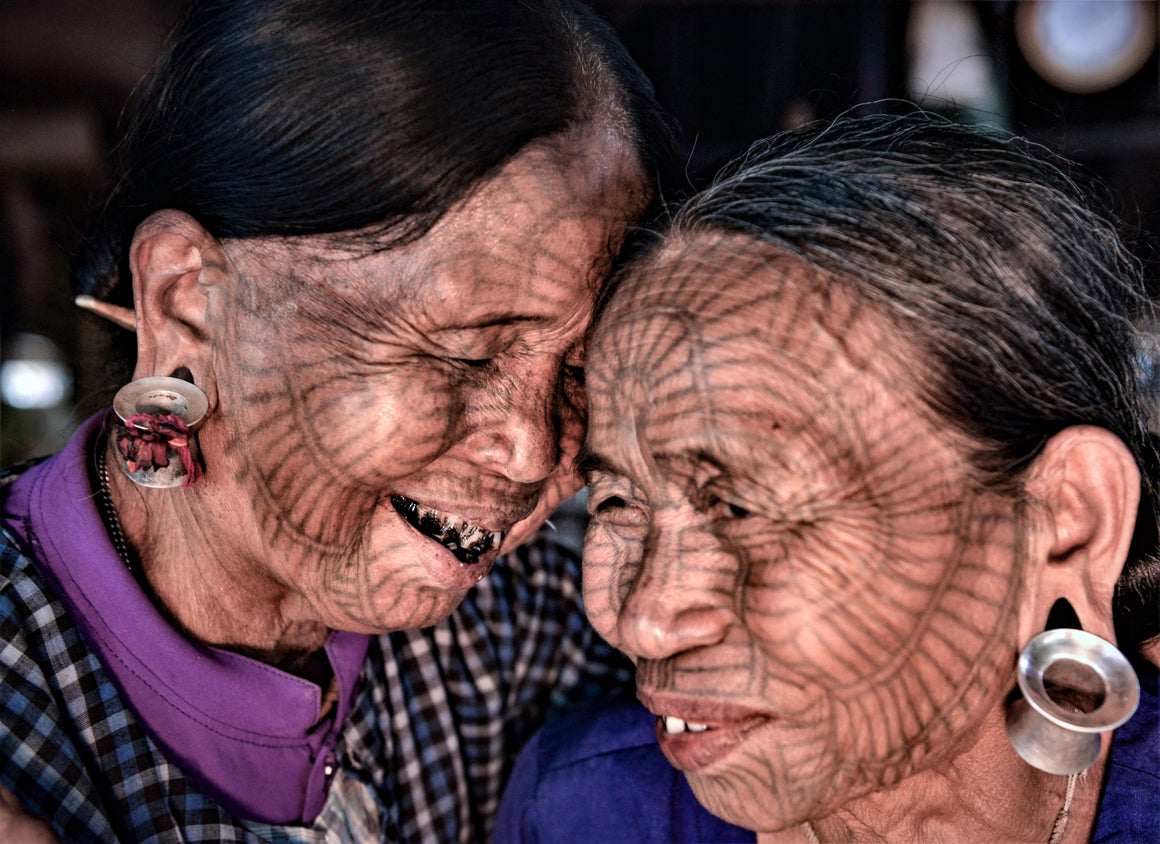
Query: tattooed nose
(655, 627)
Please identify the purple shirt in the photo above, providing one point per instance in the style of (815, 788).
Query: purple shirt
(248, 733)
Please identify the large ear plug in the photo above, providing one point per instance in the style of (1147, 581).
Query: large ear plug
(1075, 686)
(160, 415)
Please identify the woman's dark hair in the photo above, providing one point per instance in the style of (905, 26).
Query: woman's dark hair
(301, 117)
(1022, 300)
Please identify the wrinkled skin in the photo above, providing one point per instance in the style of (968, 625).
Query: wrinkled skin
(783, 538)
(445, 371)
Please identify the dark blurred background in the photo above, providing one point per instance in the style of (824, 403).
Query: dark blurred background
(1081, 76)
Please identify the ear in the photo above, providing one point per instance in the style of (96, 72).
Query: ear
(175, 264)
(1087, 488)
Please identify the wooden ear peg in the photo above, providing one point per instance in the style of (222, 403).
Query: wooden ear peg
(124, 317)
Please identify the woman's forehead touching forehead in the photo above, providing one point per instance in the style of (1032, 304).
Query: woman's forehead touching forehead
(721, 353)
(531, 243)
(699, 273)
(721, 357)
(747, 298)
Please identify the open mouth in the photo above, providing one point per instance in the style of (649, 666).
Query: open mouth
(467, 541)
(693, 746)
(675, 726)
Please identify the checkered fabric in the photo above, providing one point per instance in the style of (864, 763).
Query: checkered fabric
(440, 716)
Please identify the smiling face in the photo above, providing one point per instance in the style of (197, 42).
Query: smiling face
(818, 599)
(386, 422)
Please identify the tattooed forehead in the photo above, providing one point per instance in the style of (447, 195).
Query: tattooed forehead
(744, 297)
(527, 248)
(479, 283)
(454, 302)
(762, 386)
(720, 329)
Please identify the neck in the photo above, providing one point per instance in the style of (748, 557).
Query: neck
(986, 793)
(215, 595)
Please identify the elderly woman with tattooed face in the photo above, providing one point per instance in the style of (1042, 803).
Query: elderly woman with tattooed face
(866, 420)
(262, 597)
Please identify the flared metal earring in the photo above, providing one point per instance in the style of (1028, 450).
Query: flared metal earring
(159, 415)
(1075, 686)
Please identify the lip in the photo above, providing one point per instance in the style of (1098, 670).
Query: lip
(499, 518)
(443, 567)
(729, 726)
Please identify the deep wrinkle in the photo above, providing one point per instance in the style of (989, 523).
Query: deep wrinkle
(345, 386)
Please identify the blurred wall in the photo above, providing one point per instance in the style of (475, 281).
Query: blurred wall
(66, 70)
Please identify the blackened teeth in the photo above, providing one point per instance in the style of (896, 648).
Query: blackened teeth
(430, 525)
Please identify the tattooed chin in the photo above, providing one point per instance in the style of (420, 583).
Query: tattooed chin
(464, 539)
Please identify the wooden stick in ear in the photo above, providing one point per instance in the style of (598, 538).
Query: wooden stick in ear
(124, 317)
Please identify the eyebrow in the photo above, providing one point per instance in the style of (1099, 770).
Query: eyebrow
(487, 321)
(700, 457)
(589, 461)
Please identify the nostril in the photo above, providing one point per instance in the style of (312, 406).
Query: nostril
(655, 629)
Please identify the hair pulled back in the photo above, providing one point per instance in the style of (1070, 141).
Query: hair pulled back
(370, 118)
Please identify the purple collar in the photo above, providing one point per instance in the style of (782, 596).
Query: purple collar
(246, 732)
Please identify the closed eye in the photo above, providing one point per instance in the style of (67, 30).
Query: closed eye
(719, 508)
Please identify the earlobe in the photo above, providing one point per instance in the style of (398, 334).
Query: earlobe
(175, 264)
(1088, 487)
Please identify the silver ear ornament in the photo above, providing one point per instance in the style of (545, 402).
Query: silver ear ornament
(1075, 686)
(159, 415)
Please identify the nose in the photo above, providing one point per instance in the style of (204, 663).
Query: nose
(521, 437)
(682, 598)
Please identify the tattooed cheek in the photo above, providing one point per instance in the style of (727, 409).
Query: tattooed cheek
(610, 567)
(375, 433)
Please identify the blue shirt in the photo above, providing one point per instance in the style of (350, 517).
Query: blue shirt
(1130, 807)
(598, 775)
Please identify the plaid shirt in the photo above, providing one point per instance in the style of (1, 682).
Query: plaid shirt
(439, 717)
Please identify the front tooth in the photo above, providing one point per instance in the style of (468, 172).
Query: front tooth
(470, 534)
(696, 728)
(674, 725)
(467, 534)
